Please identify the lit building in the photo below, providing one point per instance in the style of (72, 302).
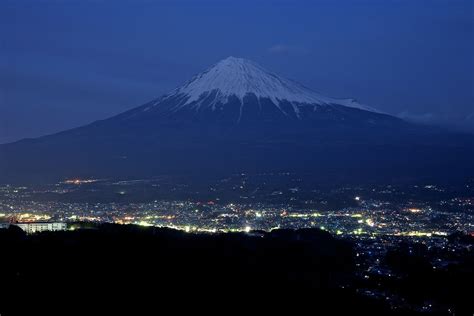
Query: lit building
(35, 227)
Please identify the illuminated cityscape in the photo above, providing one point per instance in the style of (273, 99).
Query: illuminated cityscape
(371, 218)
(358, 215)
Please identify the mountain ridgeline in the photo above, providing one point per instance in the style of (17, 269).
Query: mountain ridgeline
(238, 117)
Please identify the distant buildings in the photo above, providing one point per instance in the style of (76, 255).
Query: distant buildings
(35, 227)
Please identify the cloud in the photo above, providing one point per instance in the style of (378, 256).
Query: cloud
(287, 49)
(458, 123)
(425, 118)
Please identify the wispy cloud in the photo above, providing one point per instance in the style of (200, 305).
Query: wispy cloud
(459, 122)
(425, 118)
(287, 49)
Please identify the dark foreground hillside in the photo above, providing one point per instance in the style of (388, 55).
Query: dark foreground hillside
(152, 271)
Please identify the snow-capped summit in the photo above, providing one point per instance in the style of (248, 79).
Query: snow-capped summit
(238, 77)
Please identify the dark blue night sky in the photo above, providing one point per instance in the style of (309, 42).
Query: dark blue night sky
(67, 63)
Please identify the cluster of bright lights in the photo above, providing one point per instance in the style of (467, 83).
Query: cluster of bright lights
(29, 217)
(358, 231)
(196, 229)
(370, 222)
(304, 215)
(422, 234)
(143, 223)
(80, 181)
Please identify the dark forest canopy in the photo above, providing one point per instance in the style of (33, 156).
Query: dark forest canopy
(117, 267)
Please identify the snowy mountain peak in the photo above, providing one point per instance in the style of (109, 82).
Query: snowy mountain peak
(238, 77)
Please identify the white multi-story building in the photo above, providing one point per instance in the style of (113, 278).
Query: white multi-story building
(35, 227)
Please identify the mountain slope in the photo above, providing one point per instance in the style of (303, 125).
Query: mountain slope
(238, 117)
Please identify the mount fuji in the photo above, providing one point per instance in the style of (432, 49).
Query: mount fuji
(238, 117)
(236, 90)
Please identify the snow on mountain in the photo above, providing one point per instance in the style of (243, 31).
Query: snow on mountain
(239, 77)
